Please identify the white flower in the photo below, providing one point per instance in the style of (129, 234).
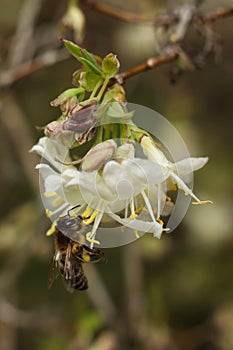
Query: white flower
(123, 190)
(182, 168)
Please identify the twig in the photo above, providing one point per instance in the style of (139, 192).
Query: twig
(216, 15)
(49, 58)
(16, 128)
(16, 318)
(21, 44)
(135, 307)
(166, 19)
(162, 20)
(100, 296)
(152, 62)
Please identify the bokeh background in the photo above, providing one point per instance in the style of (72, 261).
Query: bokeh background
(172, 294)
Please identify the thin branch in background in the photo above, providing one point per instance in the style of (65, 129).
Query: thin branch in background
(16, 318)
(166, 19)
(152, 62)
(17, 129)
(47, 59)
(215, 15)
(22, 43)
(108, 10)
(135, 299)
(100, 297)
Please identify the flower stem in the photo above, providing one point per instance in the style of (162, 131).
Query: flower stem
(101, 92)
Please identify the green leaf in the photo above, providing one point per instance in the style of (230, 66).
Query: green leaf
(110, 65)
(90, 57)
(74, 49)
(83, 56)
(91, 67)
(67, 94)
(89, 80)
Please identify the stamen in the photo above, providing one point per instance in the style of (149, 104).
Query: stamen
(136, 234)
(89, 238)
(58, 201)
(160, 221)
(126, 211)
(48, 213)
(95, 227)
(139, 209)
(159, 201)
(171, 185)
(202, 202)
(87, 212)
(50, 194)
(92, 218)
(184, 187)
(147, 202)
(51, 230)
(132, 209)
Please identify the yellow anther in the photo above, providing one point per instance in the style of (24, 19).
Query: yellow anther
(91, 240)
(91, 218)
(48, 213)
(202, 202)
(122, 228)
(173, 38)
(58, 201)
(51, 230)
(168, 199)
(50, 194)
(87, 212)
(171, 185)
(160, 221)
(166, 229)
(133, 216)
(139, 209)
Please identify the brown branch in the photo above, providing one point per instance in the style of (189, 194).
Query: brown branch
(214, 16)
(49, 58)
(162, 20)
(166, 19)
(150, 63)
(12, 75)
(16, 318)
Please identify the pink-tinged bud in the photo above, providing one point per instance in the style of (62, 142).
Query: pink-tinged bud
(80, 118)
(52, 128)
(99, 155)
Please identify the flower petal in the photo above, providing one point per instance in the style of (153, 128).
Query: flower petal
(189, 165)
(140, 225)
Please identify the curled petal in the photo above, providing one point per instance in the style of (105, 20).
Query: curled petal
(188, 165)
(140, 225)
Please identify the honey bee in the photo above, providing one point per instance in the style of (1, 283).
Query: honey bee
(71, 253)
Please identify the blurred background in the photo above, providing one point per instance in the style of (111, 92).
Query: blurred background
(168, 294)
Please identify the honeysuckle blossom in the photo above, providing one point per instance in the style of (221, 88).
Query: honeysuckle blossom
(123, 182)
(176, 170)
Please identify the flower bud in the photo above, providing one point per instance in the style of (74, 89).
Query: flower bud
(110, 65)
(52, 128)
(99, 155)
(80, 118)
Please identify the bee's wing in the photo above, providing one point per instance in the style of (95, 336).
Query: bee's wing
(53, 271)
(94, 254)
